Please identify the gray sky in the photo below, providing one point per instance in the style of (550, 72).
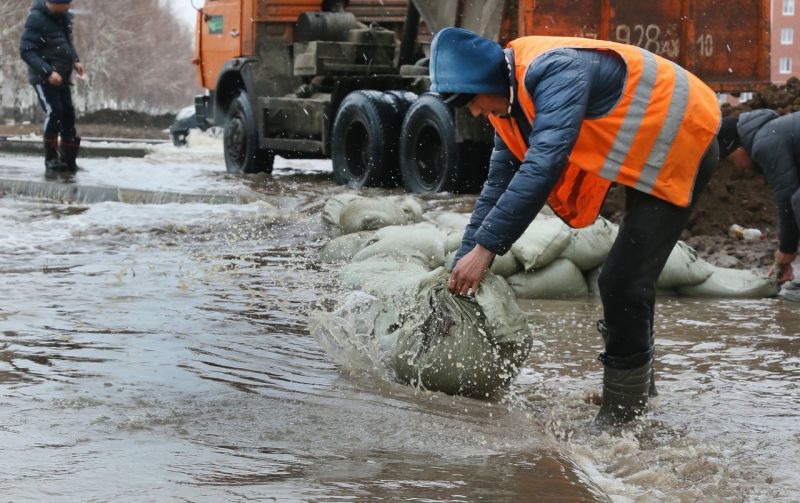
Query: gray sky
(185, 11)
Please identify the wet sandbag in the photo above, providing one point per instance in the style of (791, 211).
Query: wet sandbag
(541, 243)
(333, 210)
(409, 205)
(732, 284)
(452, 221)
(560, 279)
(452, 226)
(506, 265)
(345, 247)
(368, 214)
(380, 275)
(446, 343)
(589, 247)
(424, 242)
(684, 268)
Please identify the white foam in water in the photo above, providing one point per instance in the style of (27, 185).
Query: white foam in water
(198, 167)
(347, 334)
(23, 225)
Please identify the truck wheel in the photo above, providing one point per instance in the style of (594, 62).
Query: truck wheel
(240, 140)
(428, 149)
(364, 141)
(402, 101)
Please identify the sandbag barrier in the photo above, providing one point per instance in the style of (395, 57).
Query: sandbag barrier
(549, 261)
(399, 317)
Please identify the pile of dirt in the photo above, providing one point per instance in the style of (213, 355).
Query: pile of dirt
(128, 118)
(784, 99)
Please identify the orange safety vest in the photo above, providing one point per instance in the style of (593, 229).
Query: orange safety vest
(652, 140)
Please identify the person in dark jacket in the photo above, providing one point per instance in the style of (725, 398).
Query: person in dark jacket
(553, 102)
(770, 145)
(47, 47)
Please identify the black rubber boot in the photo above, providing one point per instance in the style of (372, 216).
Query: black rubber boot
(625, 393)
(603, 329)
(54, 167)
(69, 153)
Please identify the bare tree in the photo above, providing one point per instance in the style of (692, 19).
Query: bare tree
(138, 56)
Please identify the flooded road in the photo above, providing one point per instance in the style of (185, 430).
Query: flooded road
(161, 352)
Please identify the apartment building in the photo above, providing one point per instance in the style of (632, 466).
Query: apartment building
(785, 57)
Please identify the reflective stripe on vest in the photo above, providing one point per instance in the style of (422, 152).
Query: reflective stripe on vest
(652, 140)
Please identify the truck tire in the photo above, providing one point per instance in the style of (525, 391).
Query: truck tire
(429, 160)
(364, 141)
(240, 140)
(402, 101)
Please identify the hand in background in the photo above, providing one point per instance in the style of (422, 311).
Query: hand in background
(469, 271)
(80, 69)
(55, 79)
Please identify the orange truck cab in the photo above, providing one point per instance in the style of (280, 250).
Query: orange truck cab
(348, 80)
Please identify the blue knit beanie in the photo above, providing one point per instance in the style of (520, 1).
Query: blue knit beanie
(60, 1)
(464, 62)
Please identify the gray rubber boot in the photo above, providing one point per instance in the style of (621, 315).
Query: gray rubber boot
(625, 394)
(603, 329)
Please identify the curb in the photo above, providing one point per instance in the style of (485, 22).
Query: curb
(86, 194)
(35, 147)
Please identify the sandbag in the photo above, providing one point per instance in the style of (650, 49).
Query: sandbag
(452, 240)
(454, 345)
(506, 265)
(790, 291)
(365, 214)
(452, 226)
(684, 268)
(450, 220)
(558, 280)
(381, 275)
(333, 209)
(589, 247)
(409, 205)
(543, 241)
(345, 247)
(732, 284)
(592, 280)
(424, 242)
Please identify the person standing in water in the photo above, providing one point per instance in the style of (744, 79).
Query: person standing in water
(48, 49)
(572, 116)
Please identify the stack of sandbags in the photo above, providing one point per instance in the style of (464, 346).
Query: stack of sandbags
(395, 256)
(550, 260)
(545, 275)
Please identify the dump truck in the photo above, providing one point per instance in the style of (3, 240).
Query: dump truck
(348, 80)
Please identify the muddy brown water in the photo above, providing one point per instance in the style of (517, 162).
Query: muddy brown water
(162, 353)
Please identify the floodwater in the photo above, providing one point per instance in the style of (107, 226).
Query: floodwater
(161, 352)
